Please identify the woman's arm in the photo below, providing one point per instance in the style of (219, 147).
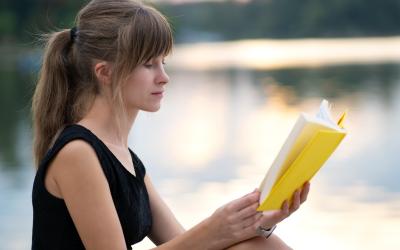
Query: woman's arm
(80, 181)
(228, 225)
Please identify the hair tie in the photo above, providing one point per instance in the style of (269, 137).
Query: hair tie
(73, 33)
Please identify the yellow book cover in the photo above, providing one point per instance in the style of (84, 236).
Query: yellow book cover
(310, 143)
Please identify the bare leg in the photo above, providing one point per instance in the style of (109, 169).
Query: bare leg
(260, 243)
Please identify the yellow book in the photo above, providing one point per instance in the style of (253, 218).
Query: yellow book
(310, 143)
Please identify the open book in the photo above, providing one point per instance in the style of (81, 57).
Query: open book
(310, 143)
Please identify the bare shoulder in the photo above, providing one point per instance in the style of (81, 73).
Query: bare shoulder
(76, 150)
(76, 156)
(75, 164)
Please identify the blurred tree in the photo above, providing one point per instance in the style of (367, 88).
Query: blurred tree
(287, 18)
(225, 20)
(7, 24)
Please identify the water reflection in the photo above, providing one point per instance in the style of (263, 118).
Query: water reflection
(337, 82)
(15, 94)
(217, 133)
(356, 190)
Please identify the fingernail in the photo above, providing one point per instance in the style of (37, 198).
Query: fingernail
(286, 205)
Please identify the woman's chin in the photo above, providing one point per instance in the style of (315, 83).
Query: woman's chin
(152, 109)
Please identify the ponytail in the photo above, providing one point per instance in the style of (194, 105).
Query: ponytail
(51, 104)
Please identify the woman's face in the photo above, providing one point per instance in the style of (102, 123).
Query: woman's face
(145, 86)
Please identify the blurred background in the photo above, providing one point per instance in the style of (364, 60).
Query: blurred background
(241, 72)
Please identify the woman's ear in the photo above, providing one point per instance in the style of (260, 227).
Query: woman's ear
(103, 72)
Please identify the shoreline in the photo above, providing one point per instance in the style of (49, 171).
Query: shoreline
(250, 54)
(262, 54)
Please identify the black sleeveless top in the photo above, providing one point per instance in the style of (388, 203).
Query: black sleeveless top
(53, 227)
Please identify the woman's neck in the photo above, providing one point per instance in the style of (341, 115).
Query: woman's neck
(100, 119)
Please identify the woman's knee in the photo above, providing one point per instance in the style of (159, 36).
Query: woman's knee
(258, 243)
(274, 242)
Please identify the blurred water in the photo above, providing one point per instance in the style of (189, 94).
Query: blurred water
(215, 136)
(218, 132)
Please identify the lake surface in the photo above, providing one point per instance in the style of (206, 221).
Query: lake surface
(216, 135)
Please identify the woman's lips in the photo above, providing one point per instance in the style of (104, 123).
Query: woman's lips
(159, 94)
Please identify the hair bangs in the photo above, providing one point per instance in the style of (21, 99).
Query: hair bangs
(158, 38)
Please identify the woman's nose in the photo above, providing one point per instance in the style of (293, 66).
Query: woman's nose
(163, 78)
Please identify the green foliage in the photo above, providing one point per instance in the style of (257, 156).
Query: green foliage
(34, 17)
(226, 20)
(288, 18)
(7, 22)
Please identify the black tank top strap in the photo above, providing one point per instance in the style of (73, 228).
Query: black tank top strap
(139, 166)
(70, 133)
(75, 132)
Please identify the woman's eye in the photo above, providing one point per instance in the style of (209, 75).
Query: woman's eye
(151, 64)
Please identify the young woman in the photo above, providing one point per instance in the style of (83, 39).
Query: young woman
(91, 191)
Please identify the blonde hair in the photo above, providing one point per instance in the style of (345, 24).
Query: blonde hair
(123, 32)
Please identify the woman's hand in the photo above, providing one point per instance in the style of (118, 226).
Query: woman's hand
(271, 218)
(238, 220)
(235, 221)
